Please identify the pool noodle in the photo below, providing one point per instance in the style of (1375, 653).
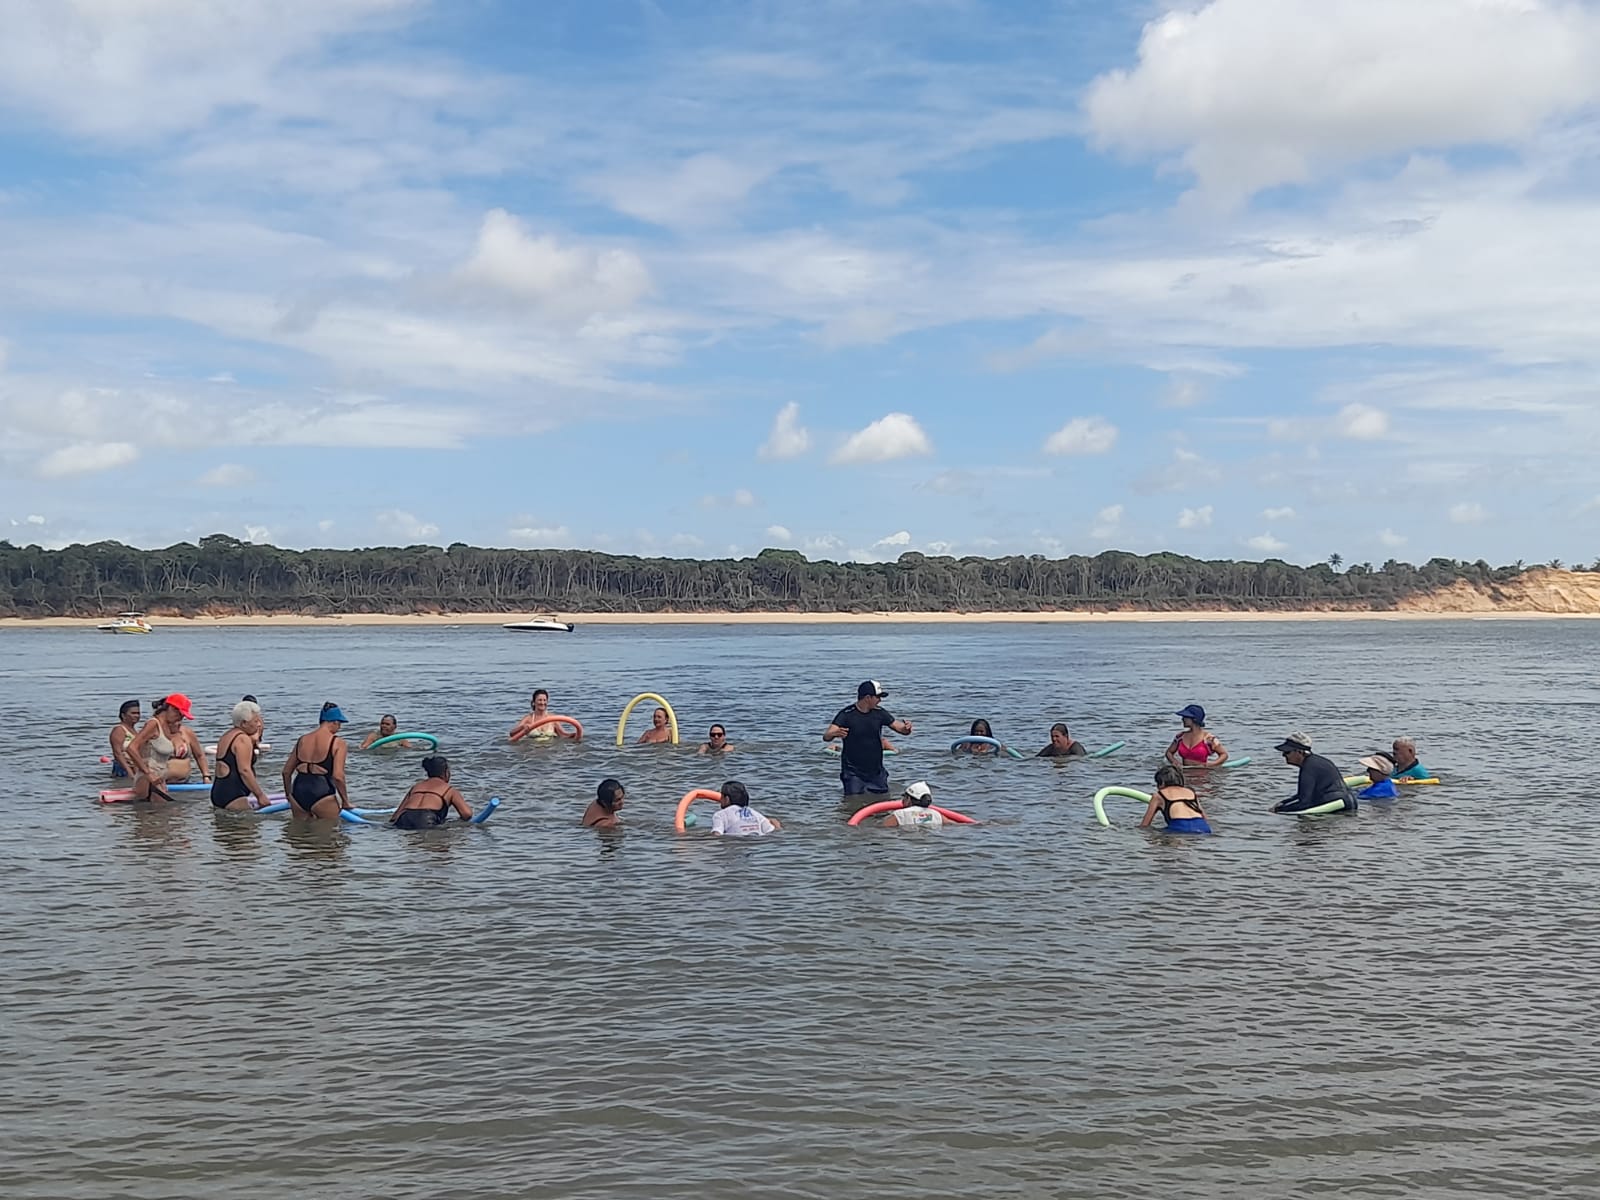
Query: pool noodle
(405, 737)
(1105, 792)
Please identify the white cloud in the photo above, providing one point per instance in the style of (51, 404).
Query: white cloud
(1195, 518)
(1391, 539)
(788, 439)
(1082, 435)
(939, 547)
(1468, 513)
(1254, 93)
(259, 534)
(34, 519)
(530, 533)
(702, 190)
(1107, 522)
(893, 541)
(827, 545)
(403, 524)
(510, 263)
(744, 498)
(1183, 391)
(1278, 514)
(685, 541)
(1362, 422)
(226, 475)
(779, 533)
(83, 458)
(324, 526)
(1265, 543)
(896, 435)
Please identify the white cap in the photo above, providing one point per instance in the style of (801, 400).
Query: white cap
(918, 791)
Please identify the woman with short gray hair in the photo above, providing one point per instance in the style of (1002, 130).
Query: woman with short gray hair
(236, 788)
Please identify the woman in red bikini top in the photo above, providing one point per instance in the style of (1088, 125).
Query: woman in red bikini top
(1194, 747)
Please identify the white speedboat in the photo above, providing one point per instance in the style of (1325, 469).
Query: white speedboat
(540, 625)
(128, 622)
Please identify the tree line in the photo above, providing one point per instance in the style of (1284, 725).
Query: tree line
(221, 575)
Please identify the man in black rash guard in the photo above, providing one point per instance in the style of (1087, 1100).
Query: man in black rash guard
(1320, 781)
(861, 725)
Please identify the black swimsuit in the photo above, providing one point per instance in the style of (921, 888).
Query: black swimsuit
(307, 789)
(225, 789)
(423, 818)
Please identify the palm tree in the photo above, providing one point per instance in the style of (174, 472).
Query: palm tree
(1335, 561)
(1555, 564)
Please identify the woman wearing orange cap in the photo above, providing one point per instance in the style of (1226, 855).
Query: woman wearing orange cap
(155, 751)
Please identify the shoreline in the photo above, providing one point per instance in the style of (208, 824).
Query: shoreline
(423, 620)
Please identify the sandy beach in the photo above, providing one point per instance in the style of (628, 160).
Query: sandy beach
(352, 620)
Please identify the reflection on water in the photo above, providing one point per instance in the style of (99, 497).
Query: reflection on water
(1398, 1003)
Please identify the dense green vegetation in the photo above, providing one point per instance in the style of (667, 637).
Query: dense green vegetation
(222, 574)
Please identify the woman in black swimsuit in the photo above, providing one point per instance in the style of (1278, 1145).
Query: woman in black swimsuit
(313, 776)
(429, 802)
(236, 787)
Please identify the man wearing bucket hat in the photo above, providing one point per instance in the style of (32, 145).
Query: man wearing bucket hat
(861, 725)
(1322, 787)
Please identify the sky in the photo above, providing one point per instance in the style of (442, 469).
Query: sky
(1238, 279)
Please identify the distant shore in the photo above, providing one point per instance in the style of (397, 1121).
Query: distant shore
(357, 620)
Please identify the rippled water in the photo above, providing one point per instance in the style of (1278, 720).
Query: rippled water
(1395, 1004)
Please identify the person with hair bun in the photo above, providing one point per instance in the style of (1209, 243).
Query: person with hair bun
(236, 788)
(1176, 802)
(430, 800)
(313, 774)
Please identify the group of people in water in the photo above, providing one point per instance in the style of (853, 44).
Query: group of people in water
(164, 750)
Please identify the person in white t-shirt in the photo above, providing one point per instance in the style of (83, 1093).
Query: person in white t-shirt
(916, 810)
(736, 818)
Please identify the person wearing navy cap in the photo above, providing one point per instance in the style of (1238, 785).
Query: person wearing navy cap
(1194, 747)
(313, 776)
(861, 725)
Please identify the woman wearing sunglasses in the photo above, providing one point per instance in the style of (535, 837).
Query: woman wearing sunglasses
(718, 741)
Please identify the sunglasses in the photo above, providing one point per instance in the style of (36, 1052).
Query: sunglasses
(719, 735)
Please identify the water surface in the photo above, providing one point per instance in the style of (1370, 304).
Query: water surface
(1395, 1004)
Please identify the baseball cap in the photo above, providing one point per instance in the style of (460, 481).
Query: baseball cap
(332, 712)
(1295, 741)
(1194, 712)
(870, 687)
(1379, 761)
(919, 792)
(180, 702)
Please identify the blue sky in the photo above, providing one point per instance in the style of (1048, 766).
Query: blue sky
(1237, 279)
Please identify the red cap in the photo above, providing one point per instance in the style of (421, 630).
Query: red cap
(181, 702)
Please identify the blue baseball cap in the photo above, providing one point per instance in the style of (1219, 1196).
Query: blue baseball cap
(1194, 712)
(332, 712)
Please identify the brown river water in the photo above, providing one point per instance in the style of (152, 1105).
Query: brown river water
(1397, 1003)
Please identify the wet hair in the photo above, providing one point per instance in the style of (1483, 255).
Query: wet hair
(980, 728)
(435, 766)
(537, 692)
(388, 717)
(717, 726)
(159, 706)
(126, 705)
(244, 712)
(735, 795)
(608, 793)
(251, 699)
(1169, 776)
(1061, 728)
(662, 711)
